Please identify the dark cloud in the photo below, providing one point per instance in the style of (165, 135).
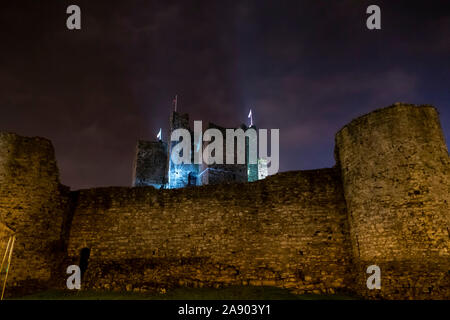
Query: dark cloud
(305, 67)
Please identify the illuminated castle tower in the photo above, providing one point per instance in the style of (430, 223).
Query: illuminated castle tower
(252, 168)
(153, 165)
(262, 168)
(180, 175)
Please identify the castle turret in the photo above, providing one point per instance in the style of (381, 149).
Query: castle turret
(150, 164)
(31, 208)
(396, 175)
(180, 175)
(252, 168)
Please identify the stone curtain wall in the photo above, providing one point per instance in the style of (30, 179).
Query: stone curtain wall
(31, 205)
(396, 177)
(385, 203)
(289, 230)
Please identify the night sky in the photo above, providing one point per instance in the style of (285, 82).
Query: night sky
(305, 67)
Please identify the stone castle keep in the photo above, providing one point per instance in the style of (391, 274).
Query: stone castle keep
(153, 167)
(384, 203)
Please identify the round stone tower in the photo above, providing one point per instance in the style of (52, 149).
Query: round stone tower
(31, 207)
(396, 175)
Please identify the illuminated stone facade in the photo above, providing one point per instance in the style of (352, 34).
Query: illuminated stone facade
(153, 157)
